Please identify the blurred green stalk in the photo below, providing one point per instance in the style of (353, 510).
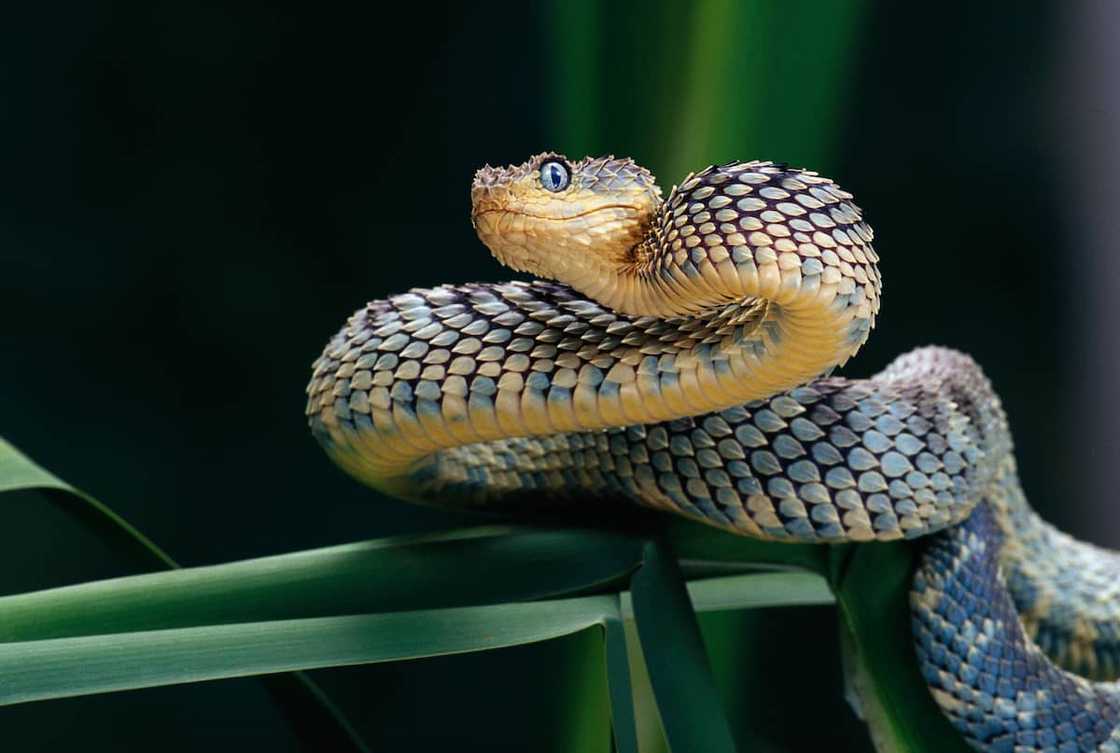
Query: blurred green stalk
(682, 86)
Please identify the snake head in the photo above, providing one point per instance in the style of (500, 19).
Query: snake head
(564, 220)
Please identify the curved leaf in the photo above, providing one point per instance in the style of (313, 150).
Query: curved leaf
(872, 585)
(19, 472)
(37, 670)
(690, 707)
(310, 709)
(471, 568)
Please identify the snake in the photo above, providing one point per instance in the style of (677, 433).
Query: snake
(678, 353)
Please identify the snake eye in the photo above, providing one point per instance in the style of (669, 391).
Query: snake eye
(555, 176)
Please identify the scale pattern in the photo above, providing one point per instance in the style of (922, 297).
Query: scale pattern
(675, 362)
(996, 686)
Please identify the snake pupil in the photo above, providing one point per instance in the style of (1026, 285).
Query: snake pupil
(554, 176)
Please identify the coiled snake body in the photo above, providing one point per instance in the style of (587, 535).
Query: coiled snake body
(676, 360)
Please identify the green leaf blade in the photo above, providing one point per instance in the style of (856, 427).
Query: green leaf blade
(620, 689)
(19, 472)
(38, 670)
(310, 708)
(384, 575)
(690, 707)
(872, 587)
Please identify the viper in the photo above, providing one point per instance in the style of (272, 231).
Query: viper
(676, 353)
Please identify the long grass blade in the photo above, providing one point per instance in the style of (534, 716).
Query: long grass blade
(690, 707)
(375, 576)
(38, 670)
(310, 709)
(872, 583)
(19, 472)
(621, 691)
(581, 680)
(573, 120)
(100, 662)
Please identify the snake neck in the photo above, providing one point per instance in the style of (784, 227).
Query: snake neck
(642, 283)
(780, 249)
(651, 277)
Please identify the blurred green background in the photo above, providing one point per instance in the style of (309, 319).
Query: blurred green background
(196, 196)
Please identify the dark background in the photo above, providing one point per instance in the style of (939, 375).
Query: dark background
(194, 197)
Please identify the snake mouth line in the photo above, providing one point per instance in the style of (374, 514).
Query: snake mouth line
(552, 217)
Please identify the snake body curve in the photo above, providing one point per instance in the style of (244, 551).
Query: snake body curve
(673, 356)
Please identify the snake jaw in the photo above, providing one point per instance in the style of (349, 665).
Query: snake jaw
(597, 239)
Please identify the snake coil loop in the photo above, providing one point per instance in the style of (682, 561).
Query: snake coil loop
(673, 358)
